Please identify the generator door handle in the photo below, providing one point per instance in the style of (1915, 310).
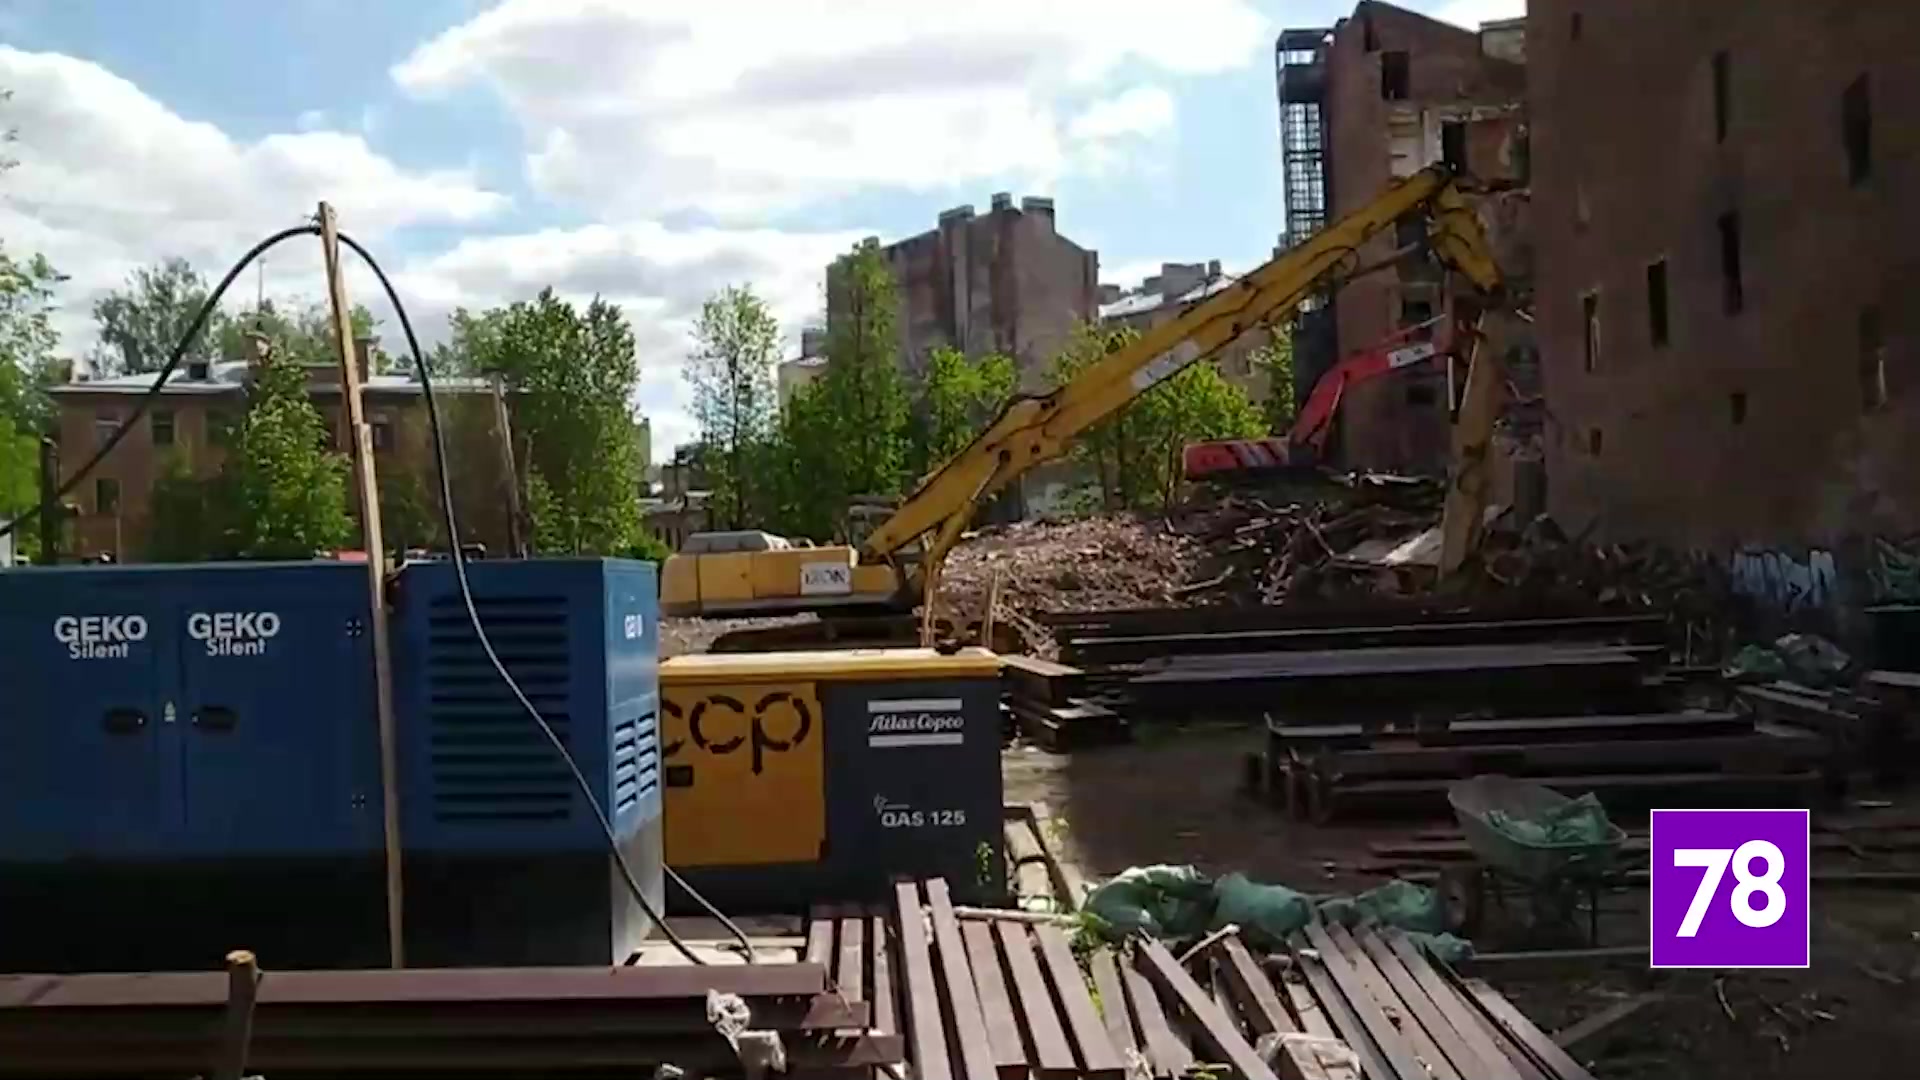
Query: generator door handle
(124, 721)
(215, 718)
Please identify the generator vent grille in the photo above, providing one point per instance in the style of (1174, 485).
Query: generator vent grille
(490, 763)
(636, 761)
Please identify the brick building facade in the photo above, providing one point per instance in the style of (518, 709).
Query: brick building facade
(1725, 204)
(196, 418)
(1385, 91)
(1004, 281)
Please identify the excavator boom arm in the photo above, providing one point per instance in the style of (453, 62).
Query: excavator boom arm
(1032, 430)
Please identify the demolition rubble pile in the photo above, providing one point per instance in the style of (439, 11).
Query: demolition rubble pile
(1363, 539)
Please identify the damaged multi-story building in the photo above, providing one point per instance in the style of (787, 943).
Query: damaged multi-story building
(1004, 281)
(1726, 201)
(1380, 95)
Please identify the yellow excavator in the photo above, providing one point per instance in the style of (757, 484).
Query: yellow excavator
(881, 581)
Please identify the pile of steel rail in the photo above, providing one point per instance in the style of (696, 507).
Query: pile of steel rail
(531, 1021)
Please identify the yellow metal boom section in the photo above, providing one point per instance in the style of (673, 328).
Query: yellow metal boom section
(1032, 430)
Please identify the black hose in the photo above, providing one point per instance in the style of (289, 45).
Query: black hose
(486, 645)
(160, 379)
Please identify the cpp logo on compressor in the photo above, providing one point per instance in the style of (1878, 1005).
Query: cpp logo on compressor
(234, 633)
(99, 637)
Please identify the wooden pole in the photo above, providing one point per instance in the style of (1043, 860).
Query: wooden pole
(243, 988)
(367, 488)
(503, 430)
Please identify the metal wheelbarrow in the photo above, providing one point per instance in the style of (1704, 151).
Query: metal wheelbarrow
(1503, 820)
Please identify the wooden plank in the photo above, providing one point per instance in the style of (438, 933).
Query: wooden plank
(1459, 1014)
(1097, 1054)
(1113, 1000)
(1593, 1025)
(969, 1025)
(1422, 1042)
(1258, 1001)
(1070, 886)
(820, 936)
(1451, 1041)
(1047, 1049)
(850, 973)
(1313, 1019)
(1523, 1031)
(1221, 993)
(1215, 1030)
(881, 945)
(926, 1038)
(1165, 1051)
(1393, 1048)
(1345, 1023)
(1003, 1030)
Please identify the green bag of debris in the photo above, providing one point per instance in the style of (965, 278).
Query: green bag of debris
(1265, 914)
(1163, 901)
(1576, 822)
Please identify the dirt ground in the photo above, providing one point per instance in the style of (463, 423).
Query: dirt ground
(1855, 1012)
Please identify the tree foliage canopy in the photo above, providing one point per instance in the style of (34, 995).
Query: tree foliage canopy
(287, 490)
(736, 344)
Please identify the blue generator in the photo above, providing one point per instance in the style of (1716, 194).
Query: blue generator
(506, 863)
(189, 763)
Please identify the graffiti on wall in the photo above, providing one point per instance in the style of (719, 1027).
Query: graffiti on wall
(1785, 582)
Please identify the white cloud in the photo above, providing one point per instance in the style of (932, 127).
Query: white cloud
(734, 107)
(311, 120)
(1142, 110)
(1471, 13)
(658, 276)
(110, 179)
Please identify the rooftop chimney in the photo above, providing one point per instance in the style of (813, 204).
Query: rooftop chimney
(1003, 200)
(1039, 206)
(813, 341)
(1213, 268)
(958, 213)
(363, 354)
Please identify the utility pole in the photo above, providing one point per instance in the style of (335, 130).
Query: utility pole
(51, 517)
(367, 488)
(503, 431)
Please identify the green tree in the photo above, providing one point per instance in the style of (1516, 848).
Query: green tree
(286, 493)
(28, 367)
(804, 493)
(1274, 358)
(302, 334)
(141, 323)
(1135, 454)
(863, 389)
(731, 371)
(957, 398)
(185, 514)
(408, 517)
(574, 375)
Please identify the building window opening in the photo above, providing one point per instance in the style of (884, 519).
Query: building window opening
(1453, 145)
(1657, 302)
(106, 495)
(104, 425)
(162, 422)
(1593, 441)
(1856, 122)
(1395, 75)
(1737, 407)
(1722, 94)
(1873, 360)
(382, 434)
(1369, 38)
(1590, 320)
(1733, 290)
(1575, 25)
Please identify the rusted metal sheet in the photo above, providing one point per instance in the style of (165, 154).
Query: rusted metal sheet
(1003, 1028)
(969, 1026)
(417, 986)
(1097, 1055)
(1215, 1029)
(1050, 1055)
(1113, 1000)
(927, 1038)
(1165, 1050)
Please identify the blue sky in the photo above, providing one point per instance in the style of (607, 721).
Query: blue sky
(650, 152)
